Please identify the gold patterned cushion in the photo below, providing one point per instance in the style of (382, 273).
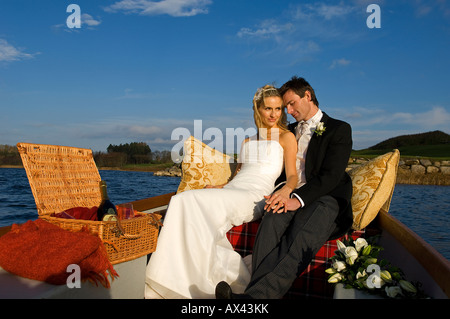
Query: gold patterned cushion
(203, 165)
(373, 185)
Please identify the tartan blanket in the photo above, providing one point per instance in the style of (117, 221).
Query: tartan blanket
(312, 283)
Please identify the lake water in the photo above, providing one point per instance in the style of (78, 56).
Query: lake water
(424, 209)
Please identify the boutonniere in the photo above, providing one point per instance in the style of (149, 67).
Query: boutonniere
(320, 129)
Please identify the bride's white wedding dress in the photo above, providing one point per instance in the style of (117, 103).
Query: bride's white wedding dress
(193, 253)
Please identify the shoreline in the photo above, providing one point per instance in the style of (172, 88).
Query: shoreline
(403, 176)
(106, 168)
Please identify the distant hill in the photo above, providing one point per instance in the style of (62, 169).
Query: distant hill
(429, 138)
(434, 144)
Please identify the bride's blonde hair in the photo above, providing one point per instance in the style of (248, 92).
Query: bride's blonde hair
(258, 101)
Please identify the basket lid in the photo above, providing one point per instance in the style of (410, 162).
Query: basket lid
(60, 177)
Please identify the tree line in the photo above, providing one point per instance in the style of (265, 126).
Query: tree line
(115, 155)
(9, 155)
(130, 154)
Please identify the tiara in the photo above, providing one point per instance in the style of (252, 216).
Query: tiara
(259, 92)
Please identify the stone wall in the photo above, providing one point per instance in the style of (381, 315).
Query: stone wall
(174, 171)
(410, 171)
(417, 171)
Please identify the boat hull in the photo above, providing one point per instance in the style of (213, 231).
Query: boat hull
(402, 247)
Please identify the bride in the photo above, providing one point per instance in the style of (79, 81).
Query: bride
(193, 253)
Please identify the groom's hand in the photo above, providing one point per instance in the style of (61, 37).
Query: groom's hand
(293, 204)
(278, 204)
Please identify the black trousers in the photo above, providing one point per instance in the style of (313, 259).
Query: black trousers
(285, 245)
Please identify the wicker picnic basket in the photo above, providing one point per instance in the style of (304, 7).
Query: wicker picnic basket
(64, 177)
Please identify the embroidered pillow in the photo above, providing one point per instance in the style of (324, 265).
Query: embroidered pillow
(373, 186)
(203, 165)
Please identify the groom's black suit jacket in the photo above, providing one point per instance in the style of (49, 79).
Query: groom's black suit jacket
(325, 164)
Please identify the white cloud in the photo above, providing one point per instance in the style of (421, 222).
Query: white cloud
(266, 29)
(322, 11)
(302, 29)
(425, 8)
(339, 62)
(372, 125)
(139, 130)
(89, 20)
(175, 8)
(436, 118)
(9, 53)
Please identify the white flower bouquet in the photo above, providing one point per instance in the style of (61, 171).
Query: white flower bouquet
(356, 265)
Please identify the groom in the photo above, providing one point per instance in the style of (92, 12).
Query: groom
(318, 210)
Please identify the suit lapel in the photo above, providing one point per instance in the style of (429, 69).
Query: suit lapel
(292, 126)
(314, 148)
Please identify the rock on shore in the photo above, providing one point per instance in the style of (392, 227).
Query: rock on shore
(410, 171)
(174, 171)
(417, 171)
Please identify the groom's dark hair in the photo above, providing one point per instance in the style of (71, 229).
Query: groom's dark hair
(299, 86)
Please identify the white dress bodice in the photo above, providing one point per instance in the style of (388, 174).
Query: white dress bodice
(262, 164)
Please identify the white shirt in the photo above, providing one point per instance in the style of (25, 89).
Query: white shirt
(303, 143)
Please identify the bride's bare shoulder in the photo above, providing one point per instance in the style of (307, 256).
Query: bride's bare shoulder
(287, 138)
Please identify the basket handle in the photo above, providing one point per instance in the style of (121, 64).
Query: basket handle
(155, 221)
(119, 231)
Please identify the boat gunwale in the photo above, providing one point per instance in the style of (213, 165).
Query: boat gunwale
(431, 260)
(437, 266)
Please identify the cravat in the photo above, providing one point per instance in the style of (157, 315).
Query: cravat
(301, 128)
(302, 139)
(302, 144)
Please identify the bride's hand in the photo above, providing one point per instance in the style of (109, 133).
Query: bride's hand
(279, 201)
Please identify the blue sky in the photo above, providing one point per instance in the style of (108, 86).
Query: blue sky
(138, 69)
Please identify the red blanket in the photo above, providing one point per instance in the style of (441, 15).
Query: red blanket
(42, 251)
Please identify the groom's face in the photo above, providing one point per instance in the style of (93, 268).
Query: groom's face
(299, 107)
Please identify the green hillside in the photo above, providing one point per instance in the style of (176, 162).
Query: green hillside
(434, 144)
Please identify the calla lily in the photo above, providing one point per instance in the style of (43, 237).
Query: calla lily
(360, 243)
(335, 278)
(367, 250)
(340, 245)
(330, 271)
(361, 274)
(351, 255)
(393, 291)
(386, 276)
(407, 286)
(339, 265)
